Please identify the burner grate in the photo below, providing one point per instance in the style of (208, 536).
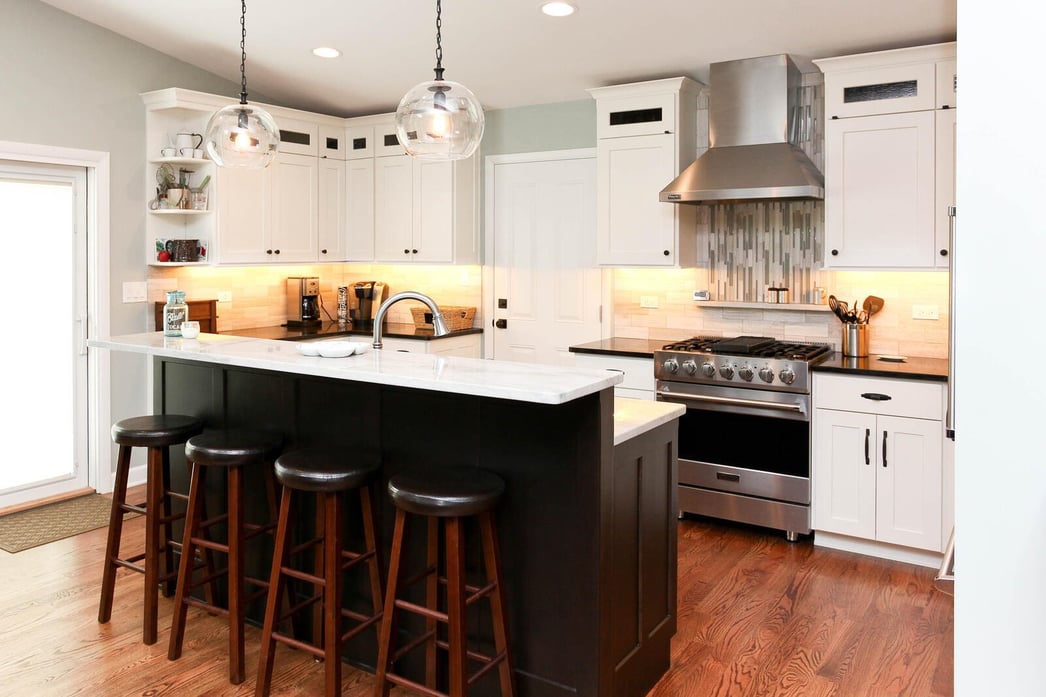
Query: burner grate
(760, 347)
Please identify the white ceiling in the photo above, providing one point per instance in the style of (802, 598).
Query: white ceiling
(506, 51)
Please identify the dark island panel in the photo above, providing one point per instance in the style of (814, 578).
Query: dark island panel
(587, 529)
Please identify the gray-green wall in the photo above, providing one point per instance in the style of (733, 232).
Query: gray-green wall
(541, 127)
(65, 82)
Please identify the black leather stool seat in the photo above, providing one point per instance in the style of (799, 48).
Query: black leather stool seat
(322, 470)
(156, 431)
(233, 447)
(446, 492)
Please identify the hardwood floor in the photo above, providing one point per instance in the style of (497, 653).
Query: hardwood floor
(757, 616)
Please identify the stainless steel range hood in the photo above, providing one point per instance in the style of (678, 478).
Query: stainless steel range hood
(753, 111)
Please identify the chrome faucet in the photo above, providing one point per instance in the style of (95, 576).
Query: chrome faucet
(439, 328)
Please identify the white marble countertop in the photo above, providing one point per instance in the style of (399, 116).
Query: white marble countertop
(472, 376)
(634, 417)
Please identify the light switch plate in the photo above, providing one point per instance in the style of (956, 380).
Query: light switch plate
(134, 292)
(925, 312)
(225, 296)
(648, 301)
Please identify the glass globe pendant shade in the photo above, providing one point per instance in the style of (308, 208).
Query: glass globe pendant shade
(241, 135)
(439, 120)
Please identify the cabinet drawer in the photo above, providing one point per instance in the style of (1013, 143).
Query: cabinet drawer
(638, 372)
(331, 141)
(359, 143)
(636, 116)
(385, 141)
(912, 398)
(298, 137)
(885, 90)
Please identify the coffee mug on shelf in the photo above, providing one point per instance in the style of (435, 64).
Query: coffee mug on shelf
(169, 151)
(175, 198)
(190, 141)
(186, 152)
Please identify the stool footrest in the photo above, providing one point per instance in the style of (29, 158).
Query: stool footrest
(297, 644)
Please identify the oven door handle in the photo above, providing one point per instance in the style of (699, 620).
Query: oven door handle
(733, 401)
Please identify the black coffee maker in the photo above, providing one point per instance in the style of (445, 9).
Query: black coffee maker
(303, 301)
(367, 297)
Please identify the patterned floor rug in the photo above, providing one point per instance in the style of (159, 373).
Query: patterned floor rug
(55, 521)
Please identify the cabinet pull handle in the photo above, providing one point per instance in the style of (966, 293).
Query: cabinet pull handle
(884, 448)
(867, 438)
(876, 396)
(727, 477)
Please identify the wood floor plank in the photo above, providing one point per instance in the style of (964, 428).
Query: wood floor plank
(757, 616)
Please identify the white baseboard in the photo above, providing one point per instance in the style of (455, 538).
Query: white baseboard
(883, 550)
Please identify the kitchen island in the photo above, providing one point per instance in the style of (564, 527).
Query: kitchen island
(587, 525)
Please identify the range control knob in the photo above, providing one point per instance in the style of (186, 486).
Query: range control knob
(766, 373)
(708, 370)
(671, 365)
(787, 375)
(727, 370)
(690, 367)
(746, 372)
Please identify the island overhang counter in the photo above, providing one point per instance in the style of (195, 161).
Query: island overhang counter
(587, 526)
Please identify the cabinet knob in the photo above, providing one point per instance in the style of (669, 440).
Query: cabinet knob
(835, 252)
(406, 251)
(944, 252)
(413, 251)
(276, 251)
(268, 251)
(323, 251)
(667, 253)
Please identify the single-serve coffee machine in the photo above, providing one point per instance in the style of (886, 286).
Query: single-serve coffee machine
(367, 297)
(303, 301)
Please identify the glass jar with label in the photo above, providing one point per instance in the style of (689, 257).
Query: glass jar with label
(174, 313)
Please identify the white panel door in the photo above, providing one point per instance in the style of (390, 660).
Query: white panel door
(295, 182)
(244, 215)
(843, 472)
(359, 204)
(393, 208)
(879, 209)
(544, 267)
(908, 505)
(45, 428)
(332, 235)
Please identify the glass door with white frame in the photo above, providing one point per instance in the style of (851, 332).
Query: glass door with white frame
(42, 342)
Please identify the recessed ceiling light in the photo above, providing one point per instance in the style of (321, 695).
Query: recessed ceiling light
(558, 9)
(326, 52)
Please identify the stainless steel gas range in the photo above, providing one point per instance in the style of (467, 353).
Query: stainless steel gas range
(744, 442)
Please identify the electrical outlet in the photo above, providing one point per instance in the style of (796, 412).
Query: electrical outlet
(648, 301)
(134, 292)
(925, 312)
(225, 296)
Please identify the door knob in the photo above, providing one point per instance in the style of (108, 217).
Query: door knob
(501, 323)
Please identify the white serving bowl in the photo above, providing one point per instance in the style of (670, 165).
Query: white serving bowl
(361, 347)
(336, 349)
(308, 348)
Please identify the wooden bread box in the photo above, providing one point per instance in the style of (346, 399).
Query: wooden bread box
(203, 311)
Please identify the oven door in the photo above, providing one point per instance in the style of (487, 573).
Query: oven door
(743, 441)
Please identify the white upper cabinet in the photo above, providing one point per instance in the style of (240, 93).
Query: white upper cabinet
(298, 137)
(332, 228)
(330, 142)
(646, 135)
(295, 201)
(889, 158)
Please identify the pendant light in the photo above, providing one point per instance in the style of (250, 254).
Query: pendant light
(240, 135)
(439, 119)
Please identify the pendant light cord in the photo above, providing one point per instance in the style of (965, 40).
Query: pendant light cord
(439, 40)
(243, 51)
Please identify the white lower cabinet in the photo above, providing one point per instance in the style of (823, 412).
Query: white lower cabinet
(467, 346)
(877, 461)
(638, 372)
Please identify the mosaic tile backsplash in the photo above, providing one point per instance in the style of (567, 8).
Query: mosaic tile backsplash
(752, 246)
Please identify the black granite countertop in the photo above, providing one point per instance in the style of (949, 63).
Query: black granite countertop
(615, 346)
(328, 330)
(912, 368)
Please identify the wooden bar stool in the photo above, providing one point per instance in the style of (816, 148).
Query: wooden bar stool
(328, 474)
(233, 451)
(156, 433)
(446, 497)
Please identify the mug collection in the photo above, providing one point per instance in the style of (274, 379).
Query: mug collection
(186, 145)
